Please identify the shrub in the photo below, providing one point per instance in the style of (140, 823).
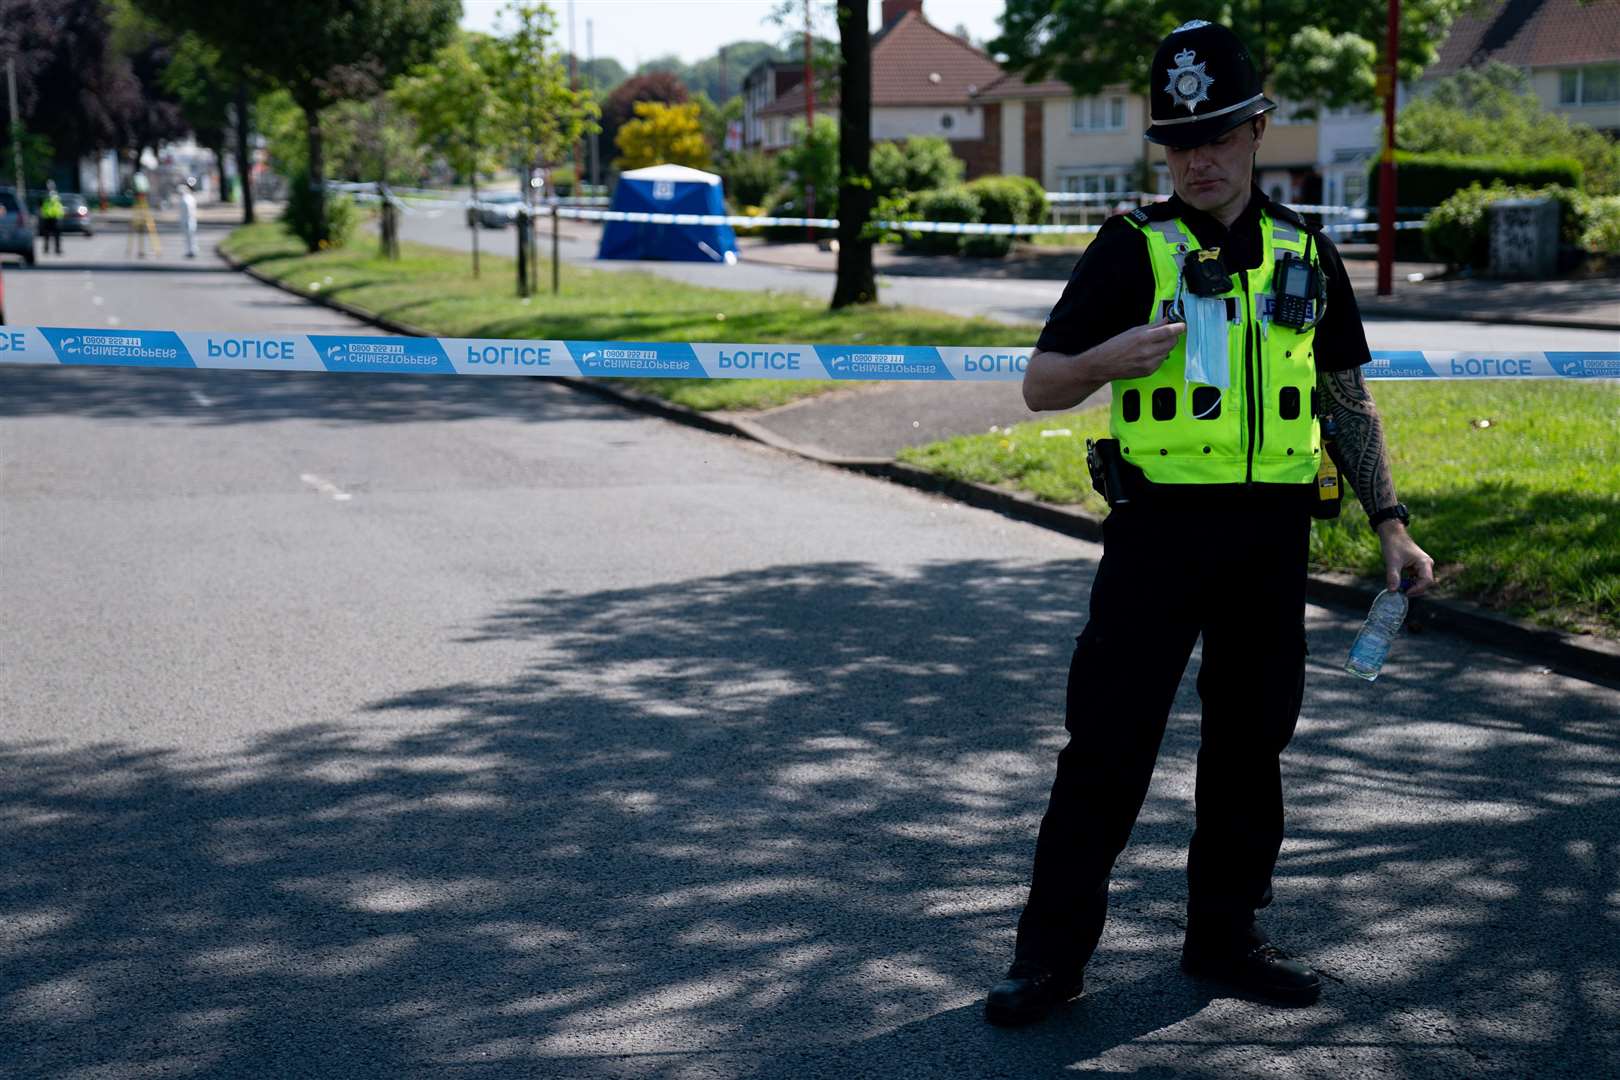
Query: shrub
(921, 163)
(1004, 200)
(955, 203)
(750, 177)
(1601, 236)
(896, 207)
(301, 218)
(1458, 231)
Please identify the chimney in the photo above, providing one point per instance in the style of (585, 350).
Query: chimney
(893, 9)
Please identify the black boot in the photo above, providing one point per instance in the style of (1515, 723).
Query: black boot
(1028, 993)
(1251, 964)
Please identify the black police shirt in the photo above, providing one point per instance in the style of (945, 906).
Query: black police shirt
(1111, 289)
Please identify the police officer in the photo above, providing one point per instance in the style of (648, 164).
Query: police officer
(51, 212)
(1228, 332)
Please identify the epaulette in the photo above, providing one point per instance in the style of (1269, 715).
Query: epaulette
(1159, 211)
(1287, 213)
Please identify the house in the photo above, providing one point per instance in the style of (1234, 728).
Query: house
(764, 83)
(925, 81)
(1094, 145)
(1569, 50)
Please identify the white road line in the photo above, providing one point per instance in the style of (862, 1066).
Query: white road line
(202, 399)
(326, 487)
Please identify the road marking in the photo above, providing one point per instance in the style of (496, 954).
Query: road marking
(202, 399)
(326, 487)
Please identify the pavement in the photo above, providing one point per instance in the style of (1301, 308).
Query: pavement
(375, 726)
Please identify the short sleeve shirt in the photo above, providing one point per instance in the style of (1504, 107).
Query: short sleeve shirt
(1111, 289)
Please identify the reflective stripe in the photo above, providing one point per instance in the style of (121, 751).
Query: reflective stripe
(1285, 233)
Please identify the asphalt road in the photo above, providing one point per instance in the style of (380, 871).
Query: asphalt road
(362, 726)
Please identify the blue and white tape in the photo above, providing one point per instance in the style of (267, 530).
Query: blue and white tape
(662, 359)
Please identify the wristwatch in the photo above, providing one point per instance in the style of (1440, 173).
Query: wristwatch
(1398, 512)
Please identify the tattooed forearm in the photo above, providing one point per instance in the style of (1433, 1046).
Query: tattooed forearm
(1362, 456)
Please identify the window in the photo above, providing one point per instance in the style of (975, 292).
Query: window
(1597, 84)
(1097, 113)
(1093, 183)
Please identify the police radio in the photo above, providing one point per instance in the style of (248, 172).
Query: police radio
(1298, 293)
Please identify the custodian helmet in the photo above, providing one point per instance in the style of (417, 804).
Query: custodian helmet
(1203, 84)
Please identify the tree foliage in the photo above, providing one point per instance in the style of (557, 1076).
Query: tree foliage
(1307, 51)
(620, 106)
(811, 159)
(1490, 111)
(546, 115)
(663, 134)
(457, 105)
(319, 51)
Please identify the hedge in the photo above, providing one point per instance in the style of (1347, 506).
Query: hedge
(1430, 179)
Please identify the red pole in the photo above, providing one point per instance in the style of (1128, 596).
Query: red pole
(1386, 165)
(809, 113)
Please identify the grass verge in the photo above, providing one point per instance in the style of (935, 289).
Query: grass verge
(1514, 489)
(433, 289)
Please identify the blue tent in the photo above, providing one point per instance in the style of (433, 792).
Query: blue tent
(668, 189)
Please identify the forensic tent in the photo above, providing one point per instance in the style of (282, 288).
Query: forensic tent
(668, 189)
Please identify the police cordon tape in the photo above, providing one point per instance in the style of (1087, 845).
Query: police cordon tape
(661, 359)
(571, 210)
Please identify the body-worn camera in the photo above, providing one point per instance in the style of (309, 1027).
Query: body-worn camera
(1205, 273)
(1298, 293)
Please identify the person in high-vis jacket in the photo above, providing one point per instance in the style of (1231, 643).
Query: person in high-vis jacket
(51, 213)
(1230, 338)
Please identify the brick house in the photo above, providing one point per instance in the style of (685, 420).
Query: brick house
(925, 81)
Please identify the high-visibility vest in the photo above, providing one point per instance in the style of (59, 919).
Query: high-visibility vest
(51, 208)
(1262, 429)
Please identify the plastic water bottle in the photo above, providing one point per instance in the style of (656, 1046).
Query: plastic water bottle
(1377, 633)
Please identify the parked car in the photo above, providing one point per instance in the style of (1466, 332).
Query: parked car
(16, 227)
(496, 211)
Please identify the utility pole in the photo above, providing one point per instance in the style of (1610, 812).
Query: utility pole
(810, 110)
(1388, 80)
(590, 78)
(16, 132)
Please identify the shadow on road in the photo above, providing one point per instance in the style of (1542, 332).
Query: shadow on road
(777, 823)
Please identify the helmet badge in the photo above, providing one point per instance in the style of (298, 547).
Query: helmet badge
(1189, 83)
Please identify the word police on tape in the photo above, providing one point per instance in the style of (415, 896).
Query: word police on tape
(663, 359)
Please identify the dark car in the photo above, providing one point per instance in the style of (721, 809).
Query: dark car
(16, 227)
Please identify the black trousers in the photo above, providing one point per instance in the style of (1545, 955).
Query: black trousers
(1236, 575)
(49, 229)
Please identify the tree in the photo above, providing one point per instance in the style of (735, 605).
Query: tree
(321, 52)
(459, 110)
(207, 95)
(546, 115)
(620, 106)
(1490, 111)
(663, 134)
(857, 283)
(1307, 51)
(1311, 53)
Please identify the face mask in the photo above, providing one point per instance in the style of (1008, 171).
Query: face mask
(1204, 281)
(1207, 340)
